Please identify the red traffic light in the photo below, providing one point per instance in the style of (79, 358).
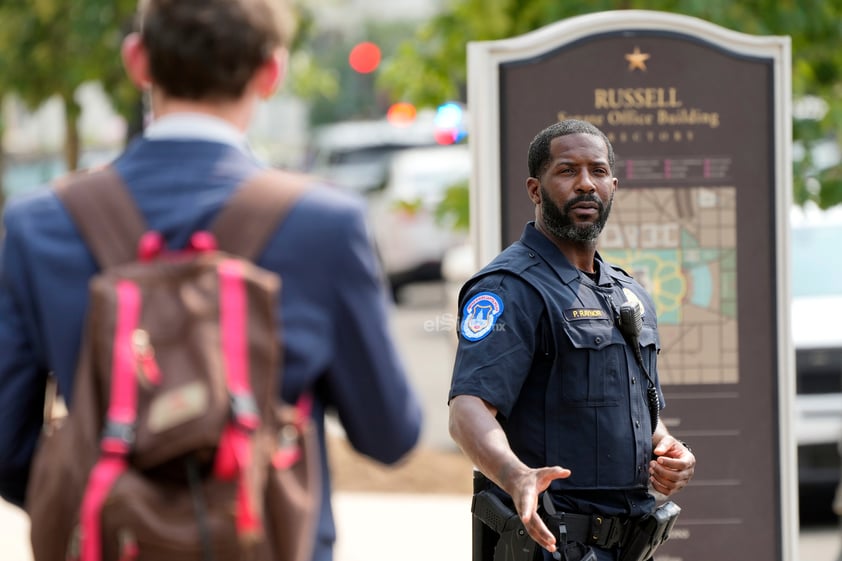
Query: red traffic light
(364, 57)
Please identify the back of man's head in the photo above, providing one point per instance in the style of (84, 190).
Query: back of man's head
(208, 50)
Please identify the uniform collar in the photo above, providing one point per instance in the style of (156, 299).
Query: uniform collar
(543, 246)
(196, 126)
(549, 252)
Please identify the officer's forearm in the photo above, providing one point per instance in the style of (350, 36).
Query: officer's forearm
(474, 427)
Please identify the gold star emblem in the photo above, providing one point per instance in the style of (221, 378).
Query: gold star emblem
(637, 60)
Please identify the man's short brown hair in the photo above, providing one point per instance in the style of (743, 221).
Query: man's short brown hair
(209, 49)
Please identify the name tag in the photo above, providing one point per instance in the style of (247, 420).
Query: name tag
(573, 314)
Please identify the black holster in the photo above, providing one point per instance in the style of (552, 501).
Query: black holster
(649, 532)
(497, 532)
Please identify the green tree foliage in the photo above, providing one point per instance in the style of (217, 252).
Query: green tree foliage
(2, 124)
(51, 47)
(320, 73)
(437, 57)
(453, 208)
(307, 78)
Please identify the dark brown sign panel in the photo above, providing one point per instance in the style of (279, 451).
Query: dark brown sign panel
(696, 219)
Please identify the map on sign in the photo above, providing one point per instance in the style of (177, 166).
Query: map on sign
(680, 244)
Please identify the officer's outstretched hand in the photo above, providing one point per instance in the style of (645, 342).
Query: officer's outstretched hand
(524, 488)
(474, 426)
(673, 465)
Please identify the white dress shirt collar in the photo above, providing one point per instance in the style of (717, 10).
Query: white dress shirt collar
(196, 126)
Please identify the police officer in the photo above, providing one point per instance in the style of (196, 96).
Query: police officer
(547, 393)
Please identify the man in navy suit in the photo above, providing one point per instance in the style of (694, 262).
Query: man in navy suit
(205, 65)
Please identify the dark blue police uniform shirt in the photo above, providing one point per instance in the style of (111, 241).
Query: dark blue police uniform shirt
(333, 307)
(539, 342)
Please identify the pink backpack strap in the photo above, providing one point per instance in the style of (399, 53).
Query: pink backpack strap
(243, 228)
(234, 453)
(118, 435)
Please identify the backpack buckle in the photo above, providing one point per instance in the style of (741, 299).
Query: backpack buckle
(117, 438)
(244, 411)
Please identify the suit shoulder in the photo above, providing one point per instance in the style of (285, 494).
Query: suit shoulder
(329, 206)
(38, 207)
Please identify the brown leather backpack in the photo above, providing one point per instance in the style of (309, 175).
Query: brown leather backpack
(176, 446)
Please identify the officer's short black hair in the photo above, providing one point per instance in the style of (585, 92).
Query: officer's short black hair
(539, 148)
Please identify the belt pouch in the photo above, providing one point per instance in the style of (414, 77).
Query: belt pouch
(649, 532)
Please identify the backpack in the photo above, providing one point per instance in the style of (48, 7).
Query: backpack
(177, 446)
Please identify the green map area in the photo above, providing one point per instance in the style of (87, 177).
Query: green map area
(680, 244)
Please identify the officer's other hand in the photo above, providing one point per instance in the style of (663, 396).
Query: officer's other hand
(672, 467)
(524, 488)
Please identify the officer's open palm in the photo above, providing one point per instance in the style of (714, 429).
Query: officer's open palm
(525, 491)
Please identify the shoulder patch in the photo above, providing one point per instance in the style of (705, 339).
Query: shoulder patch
(480, 314)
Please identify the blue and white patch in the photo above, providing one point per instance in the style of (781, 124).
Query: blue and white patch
(480, 314)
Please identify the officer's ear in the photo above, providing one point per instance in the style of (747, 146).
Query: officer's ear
(533, 187)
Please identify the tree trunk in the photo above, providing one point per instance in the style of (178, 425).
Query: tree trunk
(2, 157)
(2, 161)
(72, 144)
(2, 174)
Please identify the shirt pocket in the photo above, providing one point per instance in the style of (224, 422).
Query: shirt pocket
(590, 365)
(650, 346)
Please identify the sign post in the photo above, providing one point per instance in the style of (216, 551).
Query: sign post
(699, 117)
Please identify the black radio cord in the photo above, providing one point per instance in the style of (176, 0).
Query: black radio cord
(630, 324)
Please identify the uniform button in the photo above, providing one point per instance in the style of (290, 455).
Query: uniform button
(597, 340)
(637, 424)
(634, 381)
(531, 254)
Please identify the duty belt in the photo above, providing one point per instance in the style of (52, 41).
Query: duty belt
(594, 529)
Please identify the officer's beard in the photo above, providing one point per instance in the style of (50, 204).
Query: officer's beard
(558, 223)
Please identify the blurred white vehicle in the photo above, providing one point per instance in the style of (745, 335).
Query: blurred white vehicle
(355, 154)
(410, 239)
(817, 338)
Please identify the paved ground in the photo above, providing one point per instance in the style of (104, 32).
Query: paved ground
(369, 531)
(430, 525)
